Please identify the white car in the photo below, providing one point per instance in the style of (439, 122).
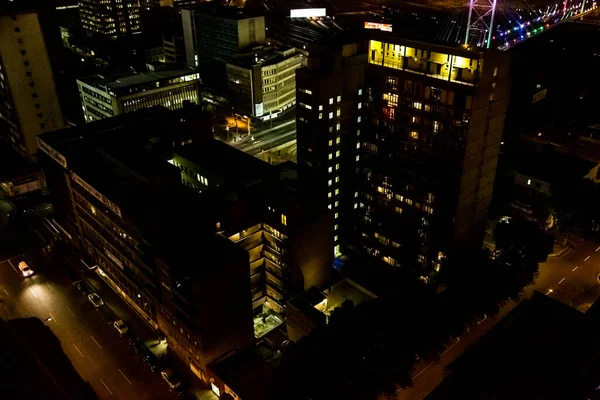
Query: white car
(169, 376)
(25, 269)
(95, 300)
(121, 327)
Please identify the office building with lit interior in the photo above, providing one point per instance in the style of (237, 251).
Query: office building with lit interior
(167, 85)
(29, 102)
(419, 139)
(263, 81)
(215, 35)
(110, 19)
(205, 242)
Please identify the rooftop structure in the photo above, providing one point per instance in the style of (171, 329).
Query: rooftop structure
(166, 85)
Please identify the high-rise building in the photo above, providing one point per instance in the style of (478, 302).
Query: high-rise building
(110, 18)
(215, 35)
(29, 102)
(427, 143)
(329, 114)
(173, 45)
(169, 86)
(263, 82)
(196, 236)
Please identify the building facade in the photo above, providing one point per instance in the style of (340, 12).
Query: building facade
(29, 102)
(104, 97)
(263, 83)
(110, 18)
(427, 147)
(329, 116)
(192, 244)
(174, 47)
(215, 35)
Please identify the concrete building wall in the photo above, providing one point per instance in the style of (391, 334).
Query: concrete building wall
(26, 78)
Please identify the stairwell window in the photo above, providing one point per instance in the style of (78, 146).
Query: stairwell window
(284, 219)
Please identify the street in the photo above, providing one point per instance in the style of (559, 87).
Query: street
(268, 138)
(88, 338)
(98, 353)
(571, 278)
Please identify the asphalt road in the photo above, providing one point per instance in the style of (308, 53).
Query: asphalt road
(572, 278)
(97, 352)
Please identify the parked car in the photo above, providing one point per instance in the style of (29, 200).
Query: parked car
(83, 288)
(95, 300)
(25, 269)
(121, 327)
(171, 378)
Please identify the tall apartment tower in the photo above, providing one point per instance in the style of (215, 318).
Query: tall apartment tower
(215, 35)
(429, 143)
(29, 102)
(329, 114)
(110, 18)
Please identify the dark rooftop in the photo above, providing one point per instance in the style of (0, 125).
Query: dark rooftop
(220, 11)
(549, 166)
(246, 373)
(543, 349)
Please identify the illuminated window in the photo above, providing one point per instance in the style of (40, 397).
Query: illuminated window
(359, 119)
(331, 115)
(306, 91)
(389, 113)
(414, 135)
(417, 105)
(330, 169)
(355, 194)
(355, 206)
(392, 99)
(359, 106)
(331, 142)
(358, 132)
(335, 227)
(491, 96)
(329, 194)
(337, 140)
(339, 99)
(495, 71)
(283, 219)
(398, 210)
(336, 215)
(337, 153)
(359, 92)
(338, 126)
(331, 100)
(338, 112)
(436, 126)
(329, 206)
(330, 129)
(409, 202)
(415, 120)
(329, 182)
(358, 145)
(337, 203)
(320, 107)
(320, 115)
(337, 191)
(337, 166)
(337, 179)
(529, 181)
(330, 156)
(357, 158)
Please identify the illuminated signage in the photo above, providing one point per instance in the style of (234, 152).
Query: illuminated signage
(96, 194)
(55, 155)
(308, 12)
(377, 25)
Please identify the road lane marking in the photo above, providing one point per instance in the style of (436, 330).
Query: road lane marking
(561, 281)
(598, 249)
(41, 237)
(51, 288)
(423, 370)
(5, 291)
(95, 341)
(107, 388)
(126, 378)
(53, 319)
(69, 310)
(11, 264)
(34, 293)
(587, 258)
(549, 291)
(573, 270)
(77, 348)
(451, 346)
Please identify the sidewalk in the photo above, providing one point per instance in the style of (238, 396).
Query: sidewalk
(115, 308)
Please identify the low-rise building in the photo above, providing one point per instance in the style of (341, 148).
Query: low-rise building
(263, 81)
(203, 241)
(162, 85)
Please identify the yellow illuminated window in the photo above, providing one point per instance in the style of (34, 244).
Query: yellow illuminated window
(338, 112)
(414, 135)
(331, 142)
(338, 126)
(392, 99)
(337, 140)
(283, 219)
(417, 105)
(436, 126)
(337, 153)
